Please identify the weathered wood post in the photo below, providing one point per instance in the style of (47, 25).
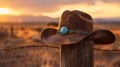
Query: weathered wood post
(77, 55)
(11, 31)
(76, 36)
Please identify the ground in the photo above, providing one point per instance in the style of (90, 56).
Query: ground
(26, 35)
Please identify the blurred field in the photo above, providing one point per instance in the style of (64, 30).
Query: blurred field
(29, 34)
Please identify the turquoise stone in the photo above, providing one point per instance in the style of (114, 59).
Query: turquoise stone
(63, 30)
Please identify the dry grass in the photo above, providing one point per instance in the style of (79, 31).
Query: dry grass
(49, 57)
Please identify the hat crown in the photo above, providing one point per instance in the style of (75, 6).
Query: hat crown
(76, 20)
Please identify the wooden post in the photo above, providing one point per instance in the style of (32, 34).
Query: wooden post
(12, 31)
(77, 55)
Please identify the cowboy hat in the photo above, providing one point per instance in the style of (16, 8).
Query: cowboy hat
(76, 26)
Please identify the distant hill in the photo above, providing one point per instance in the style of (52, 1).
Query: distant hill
(107, 20)
(46, 19)
(26, 18)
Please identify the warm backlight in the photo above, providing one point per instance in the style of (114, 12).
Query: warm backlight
(4, 11)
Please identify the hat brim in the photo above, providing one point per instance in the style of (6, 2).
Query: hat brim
(50, 35)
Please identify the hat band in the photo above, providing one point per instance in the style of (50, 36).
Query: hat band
(64, 30)
(79, 32)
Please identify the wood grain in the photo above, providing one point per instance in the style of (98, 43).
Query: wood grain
(77, 55)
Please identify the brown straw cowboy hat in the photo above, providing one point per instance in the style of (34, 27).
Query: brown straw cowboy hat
(76, 26)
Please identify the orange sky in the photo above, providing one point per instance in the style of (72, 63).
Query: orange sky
(54, 8)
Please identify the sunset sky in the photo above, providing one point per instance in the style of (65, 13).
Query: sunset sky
(54, 8)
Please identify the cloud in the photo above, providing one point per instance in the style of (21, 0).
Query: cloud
(54, 8)
(39, 5)
(109, 1)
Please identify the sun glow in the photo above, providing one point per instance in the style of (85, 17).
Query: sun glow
(5, 11)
